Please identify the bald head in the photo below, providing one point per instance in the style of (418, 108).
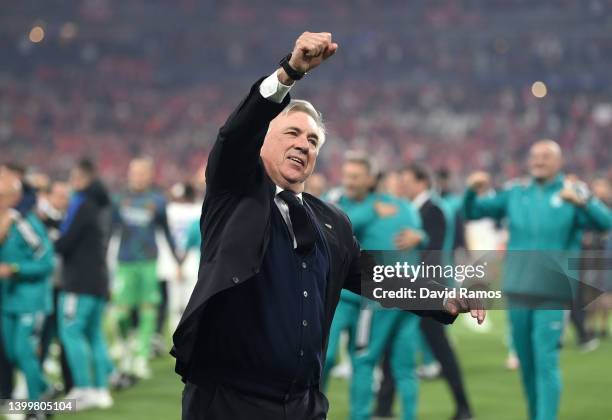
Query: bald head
(545, 160)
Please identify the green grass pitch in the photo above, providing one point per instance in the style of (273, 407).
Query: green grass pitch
(495, 393)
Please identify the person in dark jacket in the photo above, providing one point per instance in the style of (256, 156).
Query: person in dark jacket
(85, 288)
(252, 340)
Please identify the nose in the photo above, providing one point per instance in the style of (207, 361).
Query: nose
(302, 144)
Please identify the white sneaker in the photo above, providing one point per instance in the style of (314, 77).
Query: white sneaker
(84, 398)
(142, 369)
(103, 398)
(429, 371)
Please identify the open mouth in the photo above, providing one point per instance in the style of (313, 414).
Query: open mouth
(297, 160)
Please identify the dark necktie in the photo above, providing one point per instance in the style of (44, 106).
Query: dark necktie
(303, 228)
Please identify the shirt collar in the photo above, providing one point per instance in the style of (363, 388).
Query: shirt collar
(298, 195)
(421, 199)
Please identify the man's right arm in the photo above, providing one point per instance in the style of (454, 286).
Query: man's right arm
(235, 154)
(234, 158)
(477, 205)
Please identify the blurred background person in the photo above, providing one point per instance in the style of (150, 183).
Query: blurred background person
(182, 211)
(544, 214)
(139, 212)
(26, 264)
(598, 324)
(51, 209)
(387, 336)
(85, 288)
(416, 185)
(316, 185)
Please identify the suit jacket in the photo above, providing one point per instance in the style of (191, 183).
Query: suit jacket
(434, 224)
(235, 224)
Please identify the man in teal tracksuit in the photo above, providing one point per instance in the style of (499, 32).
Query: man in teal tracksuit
(544, 214)
(381, 329)
(376, 220)
(26, 263)
(359, 205)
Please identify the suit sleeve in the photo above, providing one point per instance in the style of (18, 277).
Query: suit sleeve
(434, 224)
(234, 157)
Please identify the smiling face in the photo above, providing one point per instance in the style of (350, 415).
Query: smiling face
(544, 160)
(290, 149)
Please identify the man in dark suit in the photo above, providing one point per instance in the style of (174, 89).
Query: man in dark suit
(252, 340)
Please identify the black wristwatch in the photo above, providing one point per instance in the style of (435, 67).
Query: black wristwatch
(291, 72)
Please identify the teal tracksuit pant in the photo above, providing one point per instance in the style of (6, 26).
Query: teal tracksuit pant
(541, 222)
(345, 319)
(21, 336)
(80, 329)
(536, 335)
(393, 329)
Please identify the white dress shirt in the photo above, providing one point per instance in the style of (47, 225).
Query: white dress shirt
(273, 90)
(421, 199)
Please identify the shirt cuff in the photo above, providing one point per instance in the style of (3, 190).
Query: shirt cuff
(273, 90)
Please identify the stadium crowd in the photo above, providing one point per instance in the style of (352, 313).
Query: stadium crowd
(423, 88)
(96, 83)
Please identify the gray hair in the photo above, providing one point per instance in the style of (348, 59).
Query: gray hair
(300, 105)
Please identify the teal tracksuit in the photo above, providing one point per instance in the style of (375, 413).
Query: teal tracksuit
(360, 213)
(26, 296)
(80, 329)
(538, 220)
(380, 329)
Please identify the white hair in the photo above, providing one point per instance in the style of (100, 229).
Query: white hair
(300, 105)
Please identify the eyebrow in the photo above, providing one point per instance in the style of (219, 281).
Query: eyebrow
(311, 135)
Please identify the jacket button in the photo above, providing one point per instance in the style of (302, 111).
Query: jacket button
(304, 265)
(305, 323)
(235, 279)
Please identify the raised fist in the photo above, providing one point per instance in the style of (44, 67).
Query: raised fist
(479, 181)
(311, 49)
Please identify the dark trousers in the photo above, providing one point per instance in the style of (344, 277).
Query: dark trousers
(49, 333)
(218, 402)
(162, 308)
(578, 314)
(435, 334)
